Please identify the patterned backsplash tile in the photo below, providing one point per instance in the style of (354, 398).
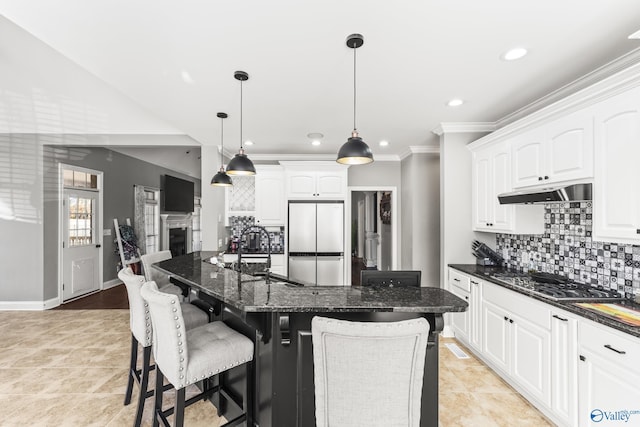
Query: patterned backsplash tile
(239, 223)
(566, 248)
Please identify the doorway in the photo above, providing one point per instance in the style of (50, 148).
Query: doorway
(80, 226)
(372, 235)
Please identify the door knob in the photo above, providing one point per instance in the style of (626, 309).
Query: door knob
(98, 245)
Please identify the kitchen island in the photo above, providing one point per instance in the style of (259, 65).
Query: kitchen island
(277, 317)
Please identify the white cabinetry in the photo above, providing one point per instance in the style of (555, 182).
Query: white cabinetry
(609, 376)
(460, 286)
(270, 202)
(491, 172)
(516, 339)
(564, 366)
(554, 152)
(277, 264)
(315, 180)
(616, 206)
(475, 314)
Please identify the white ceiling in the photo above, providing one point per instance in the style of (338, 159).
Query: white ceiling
(177, 58)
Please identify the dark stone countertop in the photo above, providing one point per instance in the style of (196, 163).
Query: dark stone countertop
(485, 272)
(252, 294)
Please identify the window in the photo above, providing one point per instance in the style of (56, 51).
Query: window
(80, 221)
(196, 232)
(151, 220)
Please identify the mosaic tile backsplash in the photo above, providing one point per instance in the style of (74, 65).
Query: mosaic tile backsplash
(239, 223)
(566, 248)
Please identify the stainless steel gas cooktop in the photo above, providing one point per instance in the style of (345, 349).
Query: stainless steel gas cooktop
(556, 288)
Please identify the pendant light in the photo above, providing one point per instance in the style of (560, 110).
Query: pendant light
(240, 164)
(355, 151)
(221, 179)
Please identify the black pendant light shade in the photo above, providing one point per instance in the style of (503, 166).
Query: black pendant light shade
(355, 151)
(241, 164)
(221, 179)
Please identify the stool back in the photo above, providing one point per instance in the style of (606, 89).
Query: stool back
(139, 320)
(169, 333)
(368, 374)
(151, 273)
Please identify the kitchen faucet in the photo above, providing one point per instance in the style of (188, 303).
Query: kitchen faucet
(262, 230)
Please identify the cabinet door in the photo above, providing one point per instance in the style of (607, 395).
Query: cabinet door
(495, 338)
(301, 184)
(475, 315)
(528, 159)
(460, 320)
(606, 389)
(569, 150)
(482, 212)
(616, 206)
(331, 185)
(530, 358)
(270, 202)
(564, 356)
(501, 183)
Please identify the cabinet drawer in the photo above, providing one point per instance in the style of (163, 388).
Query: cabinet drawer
(609, 343)
(459, 280)
(520, 305)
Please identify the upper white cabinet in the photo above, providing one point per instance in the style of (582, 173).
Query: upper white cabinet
(270, 201)
(315, 180)
(491, 172)
(616, 208)
(558, 151)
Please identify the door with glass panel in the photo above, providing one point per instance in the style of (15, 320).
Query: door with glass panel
(80, 232)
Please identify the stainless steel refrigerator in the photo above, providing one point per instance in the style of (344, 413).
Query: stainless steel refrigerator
(316, 242)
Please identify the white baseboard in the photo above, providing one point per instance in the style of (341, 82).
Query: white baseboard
(111, 284)
(29, 305)
(447, 332)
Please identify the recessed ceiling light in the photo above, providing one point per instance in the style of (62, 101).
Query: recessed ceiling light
(515, 53)
(455, 102)
(248, 143)
(315, 135)
(316, 142)
(384, 143)
(635, 35)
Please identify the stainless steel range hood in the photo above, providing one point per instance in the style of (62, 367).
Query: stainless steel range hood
(568, 193)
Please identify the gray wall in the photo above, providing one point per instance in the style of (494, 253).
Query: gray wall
(421, 216)
(380, 173)
(121, 173)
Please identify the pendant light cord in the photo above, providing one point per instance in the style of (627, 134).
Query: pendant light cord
(354, 88)
(221, 142)
(240, 114)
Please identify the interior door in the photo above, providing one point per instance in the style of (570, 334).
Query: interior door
(81, 251)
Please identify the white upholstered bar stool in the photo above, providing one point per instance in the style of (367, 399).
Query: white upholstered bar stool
(186, 357)
(141, 333)
(368, 373)
(161, 279)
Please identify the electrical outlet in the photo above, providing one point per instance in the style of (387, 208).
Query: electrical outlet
(219, 243)
(106, 232)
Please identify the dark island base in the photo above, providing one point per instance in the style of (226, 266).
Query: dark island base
(284, 364)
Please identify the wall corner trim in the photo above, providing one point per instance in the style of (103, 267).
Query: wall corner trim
(464, 127)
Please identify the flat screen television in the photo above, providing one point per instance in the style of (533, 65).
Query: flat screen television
(391, 278)
(176, 194)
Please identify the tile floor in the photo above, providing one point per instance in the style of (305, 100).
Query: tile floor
(68, 368)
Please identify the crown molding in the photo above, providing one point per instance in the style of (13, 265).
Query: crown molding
(420, 149)
(598, 75)
(464, 127)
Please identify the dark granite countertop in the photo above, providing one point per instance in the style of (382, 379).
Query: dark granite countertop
(485, 272)
(252, 294)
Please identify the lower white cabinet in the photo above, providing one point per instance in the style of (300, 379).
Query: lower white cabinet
(609, 376)
(278, 265)
(459, 285)
(564, 366)
(516, 339)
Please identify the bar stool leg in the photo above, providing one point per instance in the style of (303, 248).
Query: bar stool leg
(250, 400)
(144, 383)
(179, 411)
(157, 406)
(133, 362)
